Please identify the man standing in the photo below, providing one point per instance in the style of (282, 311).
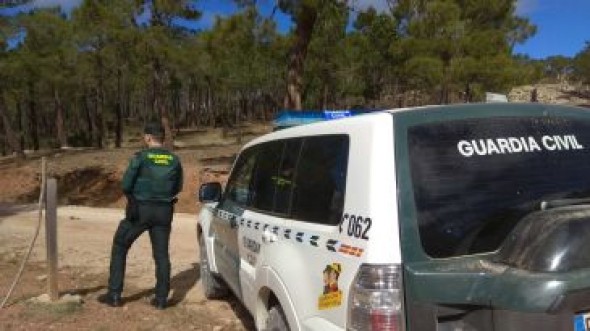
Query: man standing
(151, 182)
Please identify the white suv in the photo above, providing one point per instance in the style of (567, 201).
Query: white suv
(414, 219)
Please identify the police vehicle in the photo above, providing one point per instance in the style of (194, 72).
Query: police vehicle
(452, 218)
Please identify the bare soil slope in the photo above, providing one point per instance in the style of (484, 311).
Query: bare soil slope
(92, 177)
(561, 94)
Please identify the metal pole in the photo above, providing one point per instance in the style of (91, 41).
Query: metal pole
(51, 238)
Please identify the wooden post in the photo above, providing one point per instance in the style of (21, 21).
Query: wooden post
(51, 238)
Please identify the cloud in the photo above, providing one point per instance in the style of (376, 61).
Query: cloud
(66, 5)
(379, 5)
(526, 7)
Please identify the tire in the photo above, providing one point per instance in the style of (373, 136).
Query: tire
(213, 287)
(276, 320)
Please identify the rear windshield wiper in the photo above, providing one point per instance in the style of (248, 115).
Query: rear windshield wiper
(563, 202)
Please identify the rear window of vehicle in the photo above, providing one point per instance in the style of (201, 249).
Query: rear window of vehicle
(320, 181)
(474, 179)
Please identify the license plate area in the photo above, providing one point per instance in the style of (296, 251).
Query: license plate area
(582, 322)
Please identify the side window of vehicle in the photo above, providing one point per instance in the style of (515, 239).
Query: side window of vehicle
(320, 182)
(238, 191)
(285, 179)
(265, 176)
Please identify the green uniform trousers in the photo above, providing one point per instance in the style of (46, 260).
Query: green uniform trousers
(156, 218)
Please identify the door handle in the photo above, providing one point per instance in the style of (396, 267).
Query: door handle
(233, 222)
(269, 237)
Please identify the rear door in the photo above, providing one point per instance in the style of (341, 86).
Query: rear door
(289, 231)
(302, 251)
(468, 177)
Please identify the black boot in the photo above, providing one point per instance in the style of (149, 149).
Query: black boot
(111, 299)
(159, 303)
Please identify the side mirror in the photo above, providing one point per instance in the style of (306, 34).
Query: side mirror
(210, 192)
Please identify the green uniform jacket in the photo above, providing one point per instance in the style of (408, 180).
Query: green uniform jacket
(154, 174)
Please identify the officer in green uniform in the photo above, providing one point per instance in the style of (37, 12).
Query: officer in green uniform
(151, 182)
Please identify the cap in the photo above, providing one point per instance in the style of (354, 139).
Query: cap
(154, 128)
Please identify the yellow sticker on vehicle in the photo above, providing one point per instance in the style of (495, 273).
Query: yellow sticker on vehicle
(332, 295)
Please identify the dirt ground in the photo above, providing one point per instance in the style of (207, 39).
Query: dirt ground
(91, 205)
(84, 239)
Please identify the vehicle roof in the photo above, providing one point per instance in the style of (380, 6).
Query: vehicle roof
(322, 127)
(480, 106)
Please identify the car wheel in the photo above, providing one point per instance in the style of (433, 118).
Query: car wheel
(276, 320)
(213, 287)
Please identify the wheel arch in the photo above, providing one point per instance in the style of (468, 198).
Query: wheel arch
(274, 293)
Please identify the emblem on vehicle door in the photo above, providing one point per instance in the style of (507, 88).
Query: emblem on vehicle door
(253, 248)
(331, 295)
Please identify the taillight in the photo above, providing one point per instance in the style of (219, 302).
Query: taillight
(376, 299)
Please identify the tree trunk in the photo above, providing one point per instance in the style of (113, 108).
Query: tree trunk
(158, 103)
(97, 120)
(444, 91)
(89, 119)
(325, 97)
(468, 98)
(165, 120)
(100, 101)
(19, 127)
(155, 87)
(119, 110)
(11, 138)
(306, 20)
(59, 120)
(33, 120)
(238, 126)
(168, 140)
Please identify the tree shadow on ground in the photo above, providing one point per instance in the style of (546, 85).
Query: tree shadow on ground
(7, 209)
(84, 291)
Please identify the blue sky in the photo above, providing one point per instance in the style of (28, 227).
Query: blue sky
(214, 8)
(563, 26)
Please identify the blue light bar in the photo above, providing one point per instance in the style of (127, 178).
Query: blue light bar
(289, 118)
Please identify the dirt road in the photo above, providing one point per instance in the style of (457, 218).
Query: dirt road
(84, 239)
